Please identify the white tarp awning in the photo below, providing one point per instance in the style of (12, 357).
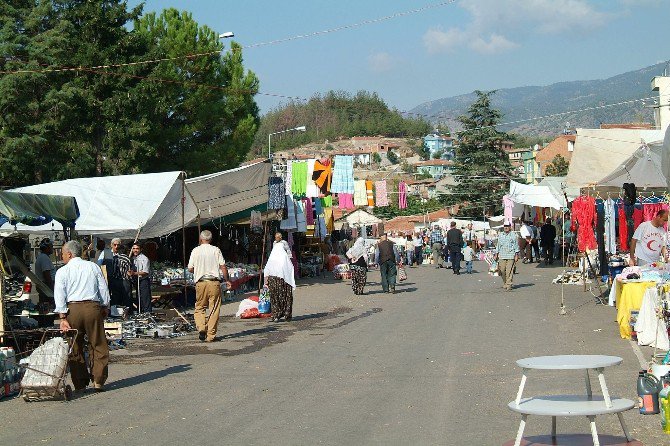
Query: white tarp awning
(643, 168)
(598, 152)
(231, 191)
(530, 195)
(360, 217)
(121, 205)
(558, 186)
(445, 223)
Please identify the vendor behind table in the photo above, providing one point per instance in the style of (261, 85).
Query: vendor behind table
(649, 242)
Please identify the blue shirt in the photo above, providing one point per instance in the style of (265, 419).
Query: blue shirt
(508, 245)
(79, 281)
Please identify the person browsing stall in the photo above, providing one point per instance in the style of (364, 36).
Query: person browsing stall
(82, 302)
(208, 267)
(649, 242)
(44, 267)
(141, 277)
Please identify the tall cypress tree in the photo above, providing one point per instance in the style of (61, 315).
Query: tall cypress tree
(481, 167)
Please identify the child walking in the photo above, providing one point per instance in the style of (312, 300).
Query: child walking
(468, 255)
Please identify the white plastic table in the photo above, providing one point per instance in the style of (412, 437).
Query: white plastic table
(570, 405)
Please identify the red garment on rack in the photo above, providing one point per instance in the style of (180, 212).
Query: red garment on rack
(638, 217)
(309, 211)
(649, 211)
(623, 229)
(584, 213)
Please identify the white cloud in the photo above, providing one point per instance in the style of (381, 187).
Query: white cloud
(380, 62)
(496, 25)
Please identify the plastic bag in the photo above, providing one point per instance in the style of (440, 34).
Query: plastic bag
(250, 313)
(47, 364)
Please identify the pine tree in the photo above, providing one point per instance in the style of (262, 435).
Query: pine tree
(482, 169)
(558, 167)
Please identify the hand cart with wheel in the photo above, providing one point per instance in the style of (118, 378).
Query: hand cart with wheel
(46, 369)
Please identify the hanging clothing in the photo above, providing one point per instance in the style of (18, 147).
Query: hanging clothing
(610, 227)
(380, 193)
(368, 192)
(330, 221)
(402, 195)
(320, 225)
(508, 206)
(289, 223)
(638, 217)
(600, 236)
(309, 213)
(300, 217)
(345, 201)
(312, 189)
(623, 229)
(299, 181)
(256, 221)
(360, 197)
(649, 211)
(288, 184)
(318, 208)
(584, 214)
(343, 175)
(327, 201)
(276, 193)
(323, 175)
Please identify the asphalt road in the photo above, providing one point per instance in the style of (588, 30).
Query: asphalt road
(432, 364)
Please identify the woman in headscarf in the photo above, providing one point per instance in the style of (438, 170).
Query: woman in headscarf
(281, 283)
(359, 266)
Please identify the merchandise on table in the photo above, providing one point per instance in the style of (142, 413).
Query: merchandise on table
(572, 277)
(10, 373)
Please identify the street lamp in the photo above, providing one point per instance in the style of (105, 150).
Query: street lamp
(302, 128)
(226, 35)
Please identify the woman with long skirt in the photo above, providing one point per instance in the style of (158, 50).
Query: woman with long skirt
(358, 266)
(281, 283)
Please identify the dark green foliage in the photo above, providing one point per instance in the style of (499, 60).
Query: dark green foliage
(414, 207)
(192, 114)
(482, 169)
(392, 157)
(333, 116)
(558, 168)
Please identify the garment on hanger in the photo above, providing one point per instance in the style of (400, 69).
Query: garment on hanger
(289, 223)
(309, 213)
(610, 227)
(584, 215)
(289, 178)
(318, 208)
(321, 225)
(345, 201)
(508, 206)
(360, 196)
(256, 221)
(300, 218)
(402, 195)
(600, 236)
(343, 175)
(623, 229)
(368, 193)
(312, 189)
(276, 193)
(649, 211)
(330, 221)
(299, 181)
(638, 217)
(323, 175)
(327, 202)
(380, 193)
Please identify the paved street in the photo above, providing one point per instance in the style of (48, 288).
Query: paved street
(433, 364)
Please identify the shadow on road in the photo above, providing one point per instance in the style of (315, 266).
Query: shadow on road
(524, 285)
(349, 320)
(251, 332)
(145, 377)
(304, 317)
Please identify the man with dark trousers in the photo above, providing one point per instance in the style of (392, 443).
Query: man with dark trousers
(141, 278)
(455, 244)
(547, 240)
(387, 257)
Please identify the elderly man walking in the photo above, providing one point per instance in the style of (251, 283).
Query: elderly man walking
(208, 268)
(387, 257)
(82, 301)
(436, 239)
(507, 254)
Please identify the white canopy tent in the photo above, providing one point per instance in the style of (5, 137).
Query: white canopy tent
(445, 223)
(558, 186)
(598, 152)
(643, 168)
(531, 195)
(150, 205)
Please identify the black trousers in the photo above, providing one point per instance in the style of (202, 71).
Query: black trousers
(455, 256)
(120, 292)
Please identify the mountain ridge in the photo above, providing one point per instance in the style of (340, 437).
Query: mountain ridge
(578, 100)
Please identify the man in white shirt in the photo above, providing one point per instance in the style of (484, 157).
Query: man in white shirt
(208, 266)
(525, 237)
(82, 301)
(140, 276)
(470, 237)
(649, 242)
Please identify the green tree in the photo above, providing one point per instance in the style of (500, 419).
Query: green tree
(558, 167)
(376, 158)
(481, 167)
(424, 152)
(415, 206)
(392, 157)
(438, 154)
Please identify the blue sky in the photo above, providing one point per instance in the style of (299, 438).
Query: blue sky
(439, 52)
